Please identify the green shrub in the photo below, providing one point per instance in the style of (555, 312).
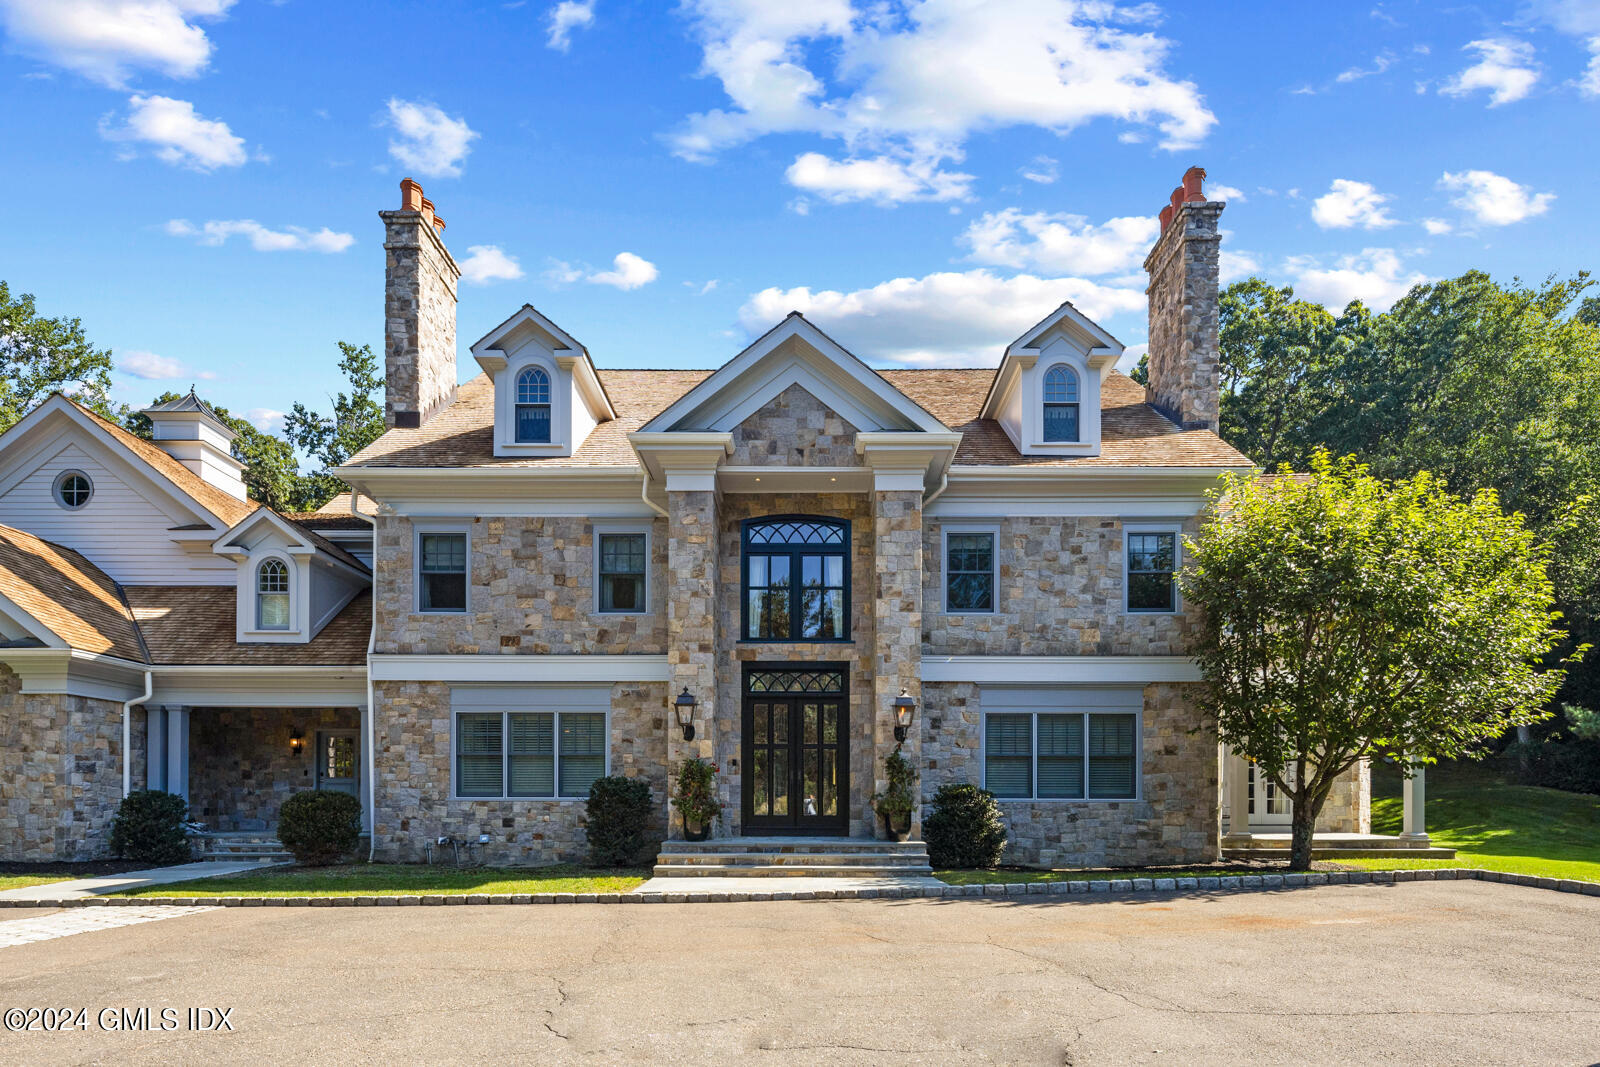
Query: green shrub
(618, 822)
(964, 829)
(320, 826)
(148, 828)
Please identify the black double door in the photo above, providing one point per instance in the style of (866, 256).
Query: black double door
(796, 753)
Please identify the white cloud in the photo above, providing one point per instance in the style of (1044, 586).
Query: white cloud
(1043, 170)
(1131, 357)
(1225, 192)
(486, 263)
(289, 239)
(1580, 19)
(1350, 203)
(628, 272)
(267, 420)
(914, 83)
(1437, 227)
(701, 290)
(149, 366)
(430, 142)
(879, 179)
(1494, 200)
(106, 40)
(1060, 243)
(565, 17)
(1375, 277)
(176, 134)
(1231, 266)
(940, 319)
(1505, 68)
(1380, 63)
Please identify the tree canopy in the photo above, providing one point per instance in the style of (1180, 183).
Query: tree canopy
(271, 472)
(40, 356)
(356, 422)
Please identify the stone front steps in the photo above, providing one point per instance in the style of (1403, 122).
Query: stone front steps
(1334, 847)
(793, 857)
(238, 846)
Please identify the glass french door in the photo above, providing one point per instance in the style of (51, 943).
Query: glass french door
(796, 752)
(1268, 804)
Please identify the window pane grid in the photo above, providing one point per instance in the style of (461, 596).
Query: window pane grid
(969, 572)
(1061, 755)
(529, 755)
(442, 572)
(1152, 562)
(796, 581)
(622, 572)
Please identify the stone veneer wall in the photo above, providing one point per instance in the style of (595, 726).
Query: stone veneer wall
(1060, 594)
(414, 806)
(1185, 372)
(897, 627)
(60, 773)
(419, 309)
(532, 592)
(1177, 821)
(794, 430)
(1348, 809)
(241, 768)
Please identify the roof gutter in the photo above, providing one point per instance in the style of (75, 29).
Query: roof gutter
(127, 731)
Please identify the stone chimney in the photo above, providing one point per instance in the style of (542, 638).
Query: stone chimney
(419, 312)
(191, 433)
(1185, 376)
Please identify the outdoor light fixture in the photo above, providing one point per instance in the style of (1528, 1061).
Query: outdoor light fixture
(297, 743)
(684, 707)
(905, 710)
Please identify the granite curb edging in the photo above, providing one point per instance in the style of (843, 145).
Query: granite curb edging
(988, 890)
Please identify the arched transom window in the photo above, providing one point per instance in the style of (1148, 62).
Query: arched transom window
(1061, 403)
(533, 406)
(272, 595)
(796, 579)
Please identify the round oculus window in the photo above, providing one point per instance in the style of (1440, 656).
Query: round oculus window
(73, 490)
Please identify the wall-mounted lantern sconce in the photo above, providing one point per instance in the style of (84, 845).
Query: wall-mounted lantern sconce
(905, 711)
(684, 707)
(297, 741)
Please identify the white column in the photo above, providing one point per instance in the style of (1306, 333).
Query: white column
(1414, 799)
(155, 752)
(1238, 784)
(178, 751)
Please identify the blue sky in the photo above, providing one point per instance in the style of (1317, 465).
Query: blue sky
(198, 180)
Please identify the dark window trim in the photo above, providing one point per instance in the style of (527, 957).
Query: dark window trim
(845, 551)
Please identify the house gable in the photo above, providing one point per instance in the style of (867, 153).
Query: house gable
(574, 400)
(794, 429)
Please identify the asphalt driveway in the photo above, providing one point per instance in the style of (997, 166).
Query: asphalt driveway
(1432, 972)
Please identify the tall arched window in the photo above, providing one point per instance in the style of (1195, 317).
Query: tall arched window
(272, 595)
(1061, 403)
(533, 407)
(796, 579)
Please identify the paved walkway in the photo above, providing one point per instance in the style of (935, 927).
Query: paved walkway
(83, 921)
(116, 883)
(767, 885)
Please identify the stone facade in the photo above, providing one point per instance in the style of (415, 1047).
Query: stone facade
(1060, 593)
(1348, 809)
(897, 574)
(1185, 373)
(60, 773)
(531, 592)
(1175, 821)
(414, 803)
(241, 768)
(419, 313)
(794, 430)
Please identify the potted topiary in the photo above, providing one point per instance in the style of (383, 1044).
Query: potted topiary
(696, 798)
(894, 804)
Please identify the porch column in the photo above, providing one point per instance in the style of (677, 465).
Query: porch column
(897, 622)
(155, 752)
(178, 751)
(691, 622)
(1414, 797)
(1238, 778)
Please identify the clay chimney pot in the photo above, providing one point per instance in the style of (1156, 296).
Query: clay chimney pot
(1166, 218)
(1192, 181)
(410, 195)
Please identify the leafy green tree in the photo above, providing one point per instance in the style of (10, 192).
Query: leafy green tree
(1343, 616)
(1589, 311)
(356, 422)
(271, 472)
(39, 356)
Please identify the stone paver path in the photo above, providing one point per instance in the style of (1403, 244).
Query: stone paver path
(83, 921)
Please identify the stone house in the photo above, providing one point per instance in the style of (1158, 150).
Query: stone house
(537, 566)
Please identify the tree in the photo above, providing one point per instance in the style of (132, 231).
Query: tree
(356, 422)
(1343, 616)
(40, 356)
(271, 472)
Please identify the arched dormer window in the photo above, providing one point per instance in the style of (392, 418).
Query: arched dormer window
(533, 407)
(1060, 404)
(272, 595)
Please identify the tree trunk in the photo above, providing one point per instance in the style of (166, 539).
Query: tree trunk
(1304, 822)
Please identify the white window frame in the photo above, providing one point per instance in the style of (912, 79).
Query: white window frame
(632, 529)
(1044, 401)
(1176, 530)
(61, 480)
(256, 567)
(505, 429)
(505, 755)
(1033, 755)
(417, 530)
(993, 530)
(549, 403)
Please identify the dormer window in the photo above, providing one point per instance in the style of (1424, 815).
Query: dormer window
(533, 407)
(1060, 404)
(272, 595)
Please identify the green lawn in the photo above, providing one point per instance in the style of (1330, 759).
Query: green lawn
(363, 880)
(19, 881)
(1519, 829)
(1010, 876)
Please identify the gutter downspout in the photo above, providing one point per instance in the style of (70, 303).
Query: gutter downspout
(127, 733)
(644, 494)
(370, 739)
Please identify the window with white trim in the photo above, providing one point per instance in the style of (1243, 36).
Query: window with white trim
(529, 754)
(1061, 755)
(441, 572)
(272, 595)
(622, 571)
(533, 407)
(73, 489)
(1061, 404)
(970, 569)
(1151, 575)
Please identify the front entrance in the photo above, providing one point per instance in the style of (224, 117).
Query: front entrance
(796, 749)
(1268, 805)
(337, 767)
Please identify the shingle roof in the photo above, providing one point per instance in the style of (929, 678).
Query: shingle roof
(194, 624)
(229, 509)
(70, 596)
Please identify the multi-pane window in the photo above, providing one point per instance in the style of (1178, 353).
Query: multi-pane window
(533, 407)
(1061, 403)
(272, 595)
(73, 490)
(529, 754)
(969, 571)
(1061, 755)
(442, 572)
(622, 571)
(796, 580)
(1152, 570)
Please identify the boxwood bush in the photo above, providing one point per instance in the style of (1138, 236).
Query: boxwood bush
(148, 828)
(320, 826)
(618, 823)
(964, 829)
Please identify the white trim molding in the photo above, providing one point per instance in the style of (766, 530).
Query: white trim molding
(1059, 670)
(458, 670)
